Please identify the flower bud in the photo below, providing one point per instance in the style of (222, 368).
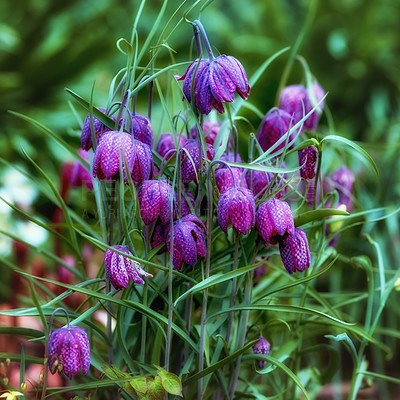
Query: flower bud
(295, 252)
(99, 130)
(308, 157)
(141, 129)
(261, 347)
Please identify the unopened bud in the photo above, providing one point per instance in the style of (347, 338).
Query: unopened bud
(23, 386)
(5, 380)
(397, 285)
(335, 226)
(41, 378)
(8, 361)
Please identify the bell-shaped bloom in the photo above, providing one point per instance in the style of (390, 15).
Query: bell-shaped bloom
(236, 205)
(273, 126)
(166, 143)
(298, 102)
(216, 80)
(258, 180)
(107, 157)
(224, 178)
(69, 351)
(120, 269)
(99, 129)
(154, 199)
(189, 241)
(159, 236)
(141, 129)
(261, 347)
(295, 252)
(191, 165)
(80, 175)
(274, 221)
(308, 162)
(342, 180)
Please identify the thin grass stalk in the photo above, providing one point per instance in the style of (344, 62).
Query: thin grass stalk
(244, 318)
(317, 177)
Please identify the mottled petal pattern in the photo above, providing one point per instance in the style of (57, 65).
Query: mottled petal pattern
(258, 181)
(141, 129)
(308, 162)
(143, 163)
(274, 220)
(214, 83)
(261, 347)
(86, 135)
(189, 241)
(295, 252)
(236, 205)
(69, 348)
(273, 126)
(166, 143)
(120, 269)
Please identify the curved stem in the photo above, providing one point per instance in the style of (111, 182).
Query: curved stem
(205, 39)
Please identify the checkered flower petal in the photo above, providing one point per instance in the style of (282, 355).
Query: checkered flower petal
(295, 252)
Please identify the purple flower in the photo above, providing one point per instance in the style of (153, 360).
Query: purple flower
(238, 206)
(274, 220)
(260, 180)
(342, 180)
(223, 176)
(166, 143)
(120, 269)
(216, 81)
(154, 197)
(294, 97)
(308, 157)
(189, 241)
(190, 171)
(80, 175)
(261, 347)
(107, 158)
(159, 236)
(99, 129)
(140, 127)
(294, 251)
(69, 351)
(273, 126)
(210, 132)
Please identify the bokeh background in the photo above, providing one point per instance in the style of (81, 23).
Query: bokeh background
(352, 47)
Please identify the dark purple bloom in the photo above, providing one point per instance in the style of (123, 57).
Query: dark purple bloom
(120, 269)
(223, 176)
(295, 252)
(215, 82)
(261, 347)
(99, 129)
(210, 132)
(274, 220)
(69, 351)
(297, 101)
(273, 126)
(159, 236)
(236, 205)
(154, 197)
(142, 164)
(189, 241)
(166, 143)
(260, 180)
(80, 175)
(342, 180)
(140, 127)
(308, 157)
(190, 171)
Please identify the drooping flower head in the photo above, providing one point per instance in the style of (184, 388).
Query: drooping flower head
(80, 175)
(191, 165)
(120, 269)
(140, 128)
(107, 157)
(189, 241)
(308, 156)
(99, 129)
(273, 126)
(187, 200)
(342, 180)
(69, 351)
(236, 205)
(166, 143)
(298, 102)
(215, 81)
(261, 347)
(258, 180)
(274, 220)
(159, 236)
(224, 178)
(210, 132)
(154, 198)
(295, 252)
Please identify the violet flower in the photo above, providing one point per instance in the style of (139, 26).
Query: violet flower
(308, 156)
(140, 127)
(261, 347)
(99, 129)
(166, 143)
(295, 252)
(69, 351)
